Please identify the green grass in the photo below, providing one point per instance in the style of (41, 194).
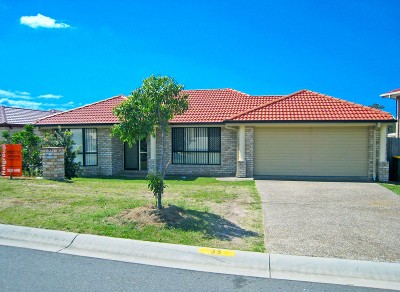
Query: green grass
(217, 214)
(394, 187)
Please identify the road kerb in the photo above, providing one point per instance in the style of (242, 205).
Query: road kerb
(35, 238)
(276, 266)
(170, 255)
(336, 271)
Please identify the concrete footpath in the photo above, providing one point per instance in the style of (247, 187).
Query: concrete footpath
(323, 270)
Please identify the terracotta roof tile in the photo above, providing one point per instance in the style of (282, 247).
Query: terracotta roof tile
(217, 105)
(228, 105)
(100, 112)
(306, 105)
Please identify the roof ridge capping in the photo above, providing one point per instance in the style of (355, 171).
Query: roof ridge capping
(265, 104)
(83, 106)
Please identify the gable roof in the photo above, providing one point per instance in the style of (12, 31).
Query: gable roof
(100, 112)
(217, 105)
(306, 105)
(228, 105)
(14, 116)
(392, 93)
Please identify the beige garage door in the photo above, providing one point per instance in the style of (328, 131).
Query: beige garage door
(317, 151)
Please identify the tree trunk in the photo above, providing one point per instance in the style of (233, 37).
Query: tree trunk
(161, 170)
(159, 202)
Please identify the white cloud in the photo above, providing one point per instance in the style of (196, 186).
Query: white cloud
(26, 100)
(50, 96)
(21, 103)
(23, 92)
(15, 94)
(42, 21)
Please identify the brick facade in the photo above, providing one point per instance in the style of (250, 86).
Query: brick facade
(111, 157)
(249, 151)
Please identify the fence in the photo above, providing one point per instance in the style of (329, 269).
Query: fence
(393, 149)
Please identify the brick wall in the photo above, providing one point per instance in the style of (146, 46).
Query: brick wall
(249, 151)
(370, 152)
(117, 156)
(381, 168)
(53, 163)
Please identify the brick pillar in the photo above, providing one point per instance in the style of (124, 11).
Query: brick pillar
(383, 171)
(53, 163)
(383, 165)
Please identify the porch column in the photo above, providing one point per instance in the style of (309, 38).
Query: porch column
(152, 167)
(153, 151)
(397, 117)
(242, 145)
(382, 143)
(241, 163)
(383, 167)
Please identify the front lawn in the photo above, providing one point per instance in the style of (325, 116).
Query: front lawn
(198, 211)
(393, 186)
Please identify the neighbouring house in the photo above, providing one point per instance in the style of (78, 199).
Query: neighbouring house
(395, 94)
(229, 133)
(13, 119)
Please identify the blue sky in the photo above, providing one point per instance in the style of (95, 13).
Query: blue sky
(65, 53)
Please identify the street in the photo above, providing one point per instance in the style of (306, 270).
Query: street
(32, 270)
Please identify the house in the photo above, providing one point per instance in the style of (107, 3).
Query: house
(229, 133)
(13, 119)
(395, 94)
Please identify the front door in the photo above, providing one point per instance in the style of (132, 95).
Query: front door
(135, 157)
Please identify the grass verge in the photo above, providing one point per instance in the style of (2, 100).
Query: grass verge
(394, 187)
(202, 211)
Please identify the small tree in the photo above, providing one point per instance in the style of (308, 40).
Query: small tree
(61, 138)
(6, 136)
(153, 104)
(390, 128)
(31, 156)
(377, 106)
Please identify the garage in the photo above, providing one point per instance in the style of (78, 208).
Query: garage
(311, 151)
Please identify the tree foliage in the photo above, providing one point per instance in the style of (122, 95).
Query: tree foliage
(63, 138)
(31, 149)
(155, 103)
(390, 128)
(377, 106)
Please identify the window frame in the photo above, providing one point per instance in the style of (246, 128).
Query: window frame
(138, 145)
(83, 152)
(183, 145)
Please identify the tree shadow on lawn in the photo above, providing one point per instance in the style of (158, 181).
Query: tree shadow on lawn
(210, 224)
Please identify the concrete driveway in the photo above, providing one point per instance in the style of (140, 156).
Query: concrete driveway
(353, 220)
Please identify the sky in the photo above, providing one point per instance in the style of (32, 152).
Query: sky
(62, 54)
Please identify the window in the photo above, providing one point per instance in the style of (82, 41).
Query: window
(86, 143)
(196, 145)
(135, 157)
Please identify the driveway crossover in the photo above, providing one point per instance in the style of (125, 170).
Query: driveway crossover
(331, 219)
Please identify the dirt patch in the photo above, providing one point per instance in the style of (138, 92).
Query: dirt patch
(149, 215)
(11, 202)
(211, 225)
